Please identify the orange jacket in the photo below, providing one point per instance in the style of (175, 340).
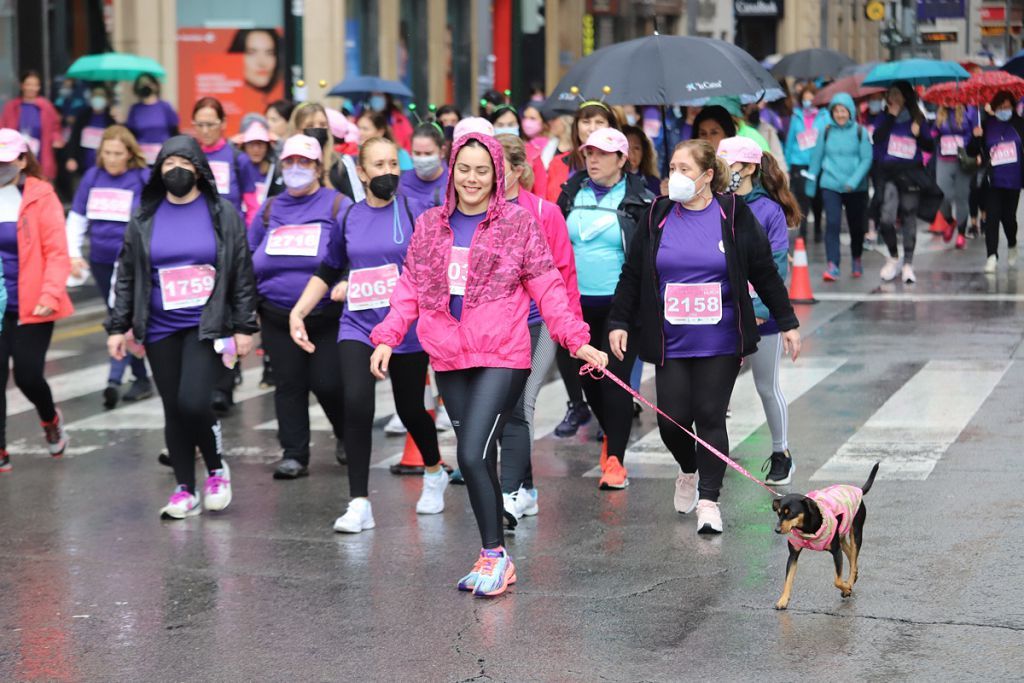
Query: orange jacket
(43, 263)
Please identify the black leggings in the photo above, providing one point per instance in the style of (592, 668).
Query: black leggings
(26, 345)
(610, 402)
(695, 392)
(408, 371)
(569, 369)
(808, 205)
(1000, 207)
(480, 401)
(296, 374)
(185, 370)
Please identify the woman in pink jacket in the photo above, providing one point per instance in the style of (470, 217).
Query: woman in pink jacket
(470, 272)
(37, 120)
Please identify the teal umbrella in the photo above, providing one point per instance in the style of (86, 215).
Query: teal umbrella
(114, 66)
(916, 72)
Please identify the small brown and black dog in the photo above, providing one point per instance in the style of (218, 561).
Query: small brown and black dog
(829, 519)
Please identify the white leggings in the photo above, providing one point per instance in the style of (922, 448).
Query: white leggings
(764, 364)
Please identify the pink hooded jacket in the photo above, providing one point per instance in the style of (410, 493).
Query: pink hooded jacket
(552, 223)
(509, 264)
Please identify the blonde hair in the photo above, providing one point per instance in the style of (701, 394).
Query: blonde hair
(120, 133)
(301, 116)
(705, 157)
(515, 153)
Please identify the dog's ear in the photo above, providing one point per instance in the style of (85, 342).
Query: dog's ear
(775, 505)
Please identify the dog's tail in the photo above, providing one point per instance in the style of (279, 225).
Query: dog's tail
(871, 480)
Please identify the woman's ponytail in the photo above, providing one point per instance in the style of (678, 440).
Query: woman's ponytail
(774, 182)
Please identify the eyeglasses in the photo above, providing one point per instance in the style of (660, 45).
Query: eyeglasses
(205, 125)
(297, 161)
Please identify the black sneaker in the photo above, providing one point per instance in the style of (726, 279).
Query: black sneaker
(267, 380)
(637, 411)
(164, 458)
(221, 402)
(290, 468)
(339, 452)
(237, 370)
(111, 395)
(140, 390)
(576, 416)
(780, 468)
(5, 461)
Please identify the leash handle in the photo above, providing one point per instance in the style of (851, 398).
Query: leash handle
(598, 374)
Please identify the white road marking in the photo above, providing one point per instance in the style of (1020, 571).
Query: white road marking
(65, 386)
(916, 298)
(918, 423)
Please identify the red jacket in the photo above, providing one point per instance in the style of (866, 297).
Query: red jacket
(49, 122)
(43, 263)
(558, 173)
(509, 264)
(552, 224)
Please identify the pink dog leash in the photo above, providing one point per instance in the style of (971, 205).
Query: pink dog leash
(597, 374)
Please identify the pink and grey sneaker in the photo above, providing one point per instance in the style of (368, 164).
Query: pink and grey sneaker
(181, 505)
(56, 438)
(217, 490)
(496, 573)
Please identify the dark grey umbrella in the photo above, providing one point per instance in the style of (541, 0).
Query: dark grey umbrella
(813, 63)
(663, 70)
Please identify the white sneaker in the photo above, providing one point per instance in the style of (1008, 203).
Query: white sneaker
(526, 499)
(512, 512)
(709, 517)
(442, 422)
(217, 490)
(890, 270)
(181, 505)
(990, 263)
(431, 500)
(1011, 257)
(358, 517)
(394, 427)
(685, 498)
(908, 274)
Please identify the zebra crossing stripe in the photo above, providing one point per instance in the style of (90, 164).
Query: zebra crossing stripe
(912, 430)
(65, 387)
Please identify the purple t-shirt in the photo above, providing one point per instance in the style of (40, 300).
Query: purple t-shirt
(98, 119)
(428, 193)
(464, 228)
(107, 236)
(152, 123)
(30, 121)
(691, 252)
(282, 275)
(373, 237)
(773, 219)
(183, 235)
(236, 165)
(1003, 146)
(962, 132)
(9, 255)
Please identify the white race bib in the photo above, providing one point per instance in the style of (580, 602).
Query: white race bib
(371, 287)
(948, 145)
(807, 140)
(458, 271)
(294, 240)
(91, 137)
(902, 147)
(150, 150)
(693, 304)
(186, 286)
(1003, 153)
(222, 174)
(109, 204)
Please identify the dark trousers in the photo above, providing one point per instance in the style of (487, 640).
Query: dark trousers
(26, 345)
(480, 401)
(856, 204)
(184, 369)
(296, 374)
(808, 205)
(408, 372)
(610, 402)
(103, 273)
(1000, 207)
(695, 392)
(569, 369)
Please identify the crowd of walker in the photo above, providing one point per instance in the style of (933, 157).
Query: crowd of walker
(355, 246)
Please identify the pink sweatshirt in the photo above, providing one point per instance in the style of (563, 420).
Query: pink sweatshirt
(510, 263)
(839, 500)
(552, 223)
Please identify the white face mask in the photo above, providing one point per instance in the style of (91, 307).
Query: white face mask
(681, 188)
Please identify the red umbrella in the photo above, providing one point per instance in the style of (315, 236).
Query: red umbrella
(849, 84)
(978, 89)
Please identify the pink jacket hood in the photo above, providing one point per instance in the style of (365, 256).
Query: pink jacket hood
(510, 263)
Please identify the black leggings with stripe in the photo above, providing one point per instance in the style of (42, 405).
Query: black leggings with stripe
(480, 401)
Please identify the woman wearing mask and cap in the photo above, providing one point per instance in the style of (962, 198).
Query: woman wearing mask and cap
(428, 179)
(90, 122)
(805, 127)
(363, 262)
(683, 302)
(506, 121)
(310, 118)
(289, 241)
(604, 207)
(151, 120)
(264, 166)
(184, 282)
(999, 142)
(34, 251)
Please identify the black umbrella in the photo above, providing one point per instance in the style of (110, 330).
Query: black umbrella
(813, 63)
(663, 70)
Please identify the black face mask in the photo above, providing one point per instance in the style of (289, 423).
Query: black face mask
(179, 181)
(318, 134)
(144, 91)
(384, 186)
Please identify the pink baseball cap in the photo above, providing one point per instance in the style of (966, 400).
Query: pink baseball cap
(341, 128)
(12, 145)
(256, 132)
(608, 140)
(302, 146)
(739, 150)
(472, 124)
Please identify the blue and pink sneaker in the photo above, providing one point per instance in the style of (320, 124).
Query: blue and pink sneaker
(181, 505)
(495, 573)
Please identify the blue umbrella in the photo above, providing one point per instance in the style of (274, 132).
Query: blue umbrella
(916, 72)
(1015, 65)
(360, 87)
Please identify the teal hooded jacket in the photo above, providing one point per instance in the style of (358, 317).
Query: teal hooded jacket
(842, 157)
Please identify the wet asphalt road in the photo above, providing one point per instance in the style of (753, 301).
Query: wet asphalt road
(612, 585)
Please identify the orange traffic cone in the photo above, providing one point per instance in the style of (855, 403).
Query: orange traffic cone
(412, 459)
(939, 225)
(800, 291)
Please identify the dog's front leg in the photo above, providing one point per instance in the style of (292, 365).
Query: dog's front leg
(787, 588)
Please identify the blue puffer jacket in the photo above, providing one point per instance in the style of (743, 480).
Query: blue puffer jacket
(842, 158)
(794, 155)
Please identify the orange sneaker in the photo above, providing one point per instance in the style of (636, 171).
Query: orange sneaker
(604, 454)
(615, 475)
